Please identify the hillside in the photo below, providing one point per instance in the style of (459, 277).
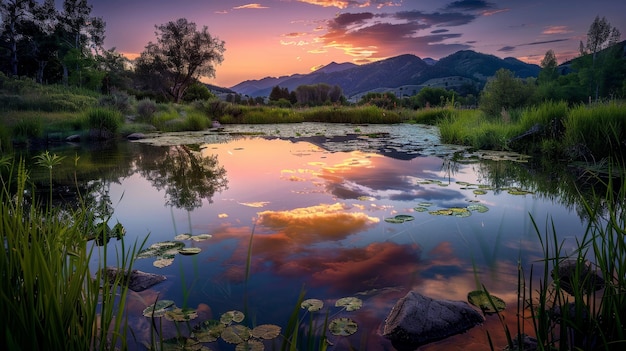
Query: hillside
(407, 73)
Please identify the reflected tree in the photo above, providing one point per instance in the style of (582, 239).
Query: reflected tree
(186, 176)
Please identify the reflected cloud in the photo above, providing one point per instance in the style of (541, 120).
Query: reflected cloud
(316, 223)
(254, 204)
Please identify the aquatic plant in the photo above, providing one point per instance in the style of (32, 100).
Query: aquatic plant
(47, 288)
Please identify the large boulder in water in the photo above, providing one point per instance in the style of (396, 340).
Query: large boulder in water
(416, 320)
(137, 280)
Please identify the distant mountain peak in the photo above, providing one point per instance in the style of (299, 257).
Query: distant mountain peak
(335, 67)
(407, 70)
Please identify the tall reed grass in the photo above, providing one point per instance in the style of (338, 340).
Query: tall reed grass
(579, 301)
(355, 115)
(49, 297)
(601, 128)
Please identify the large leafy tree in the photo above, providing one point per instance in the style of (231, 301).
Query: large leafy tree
(181, 55)
(14, 13)
(80, 38)
(505, 91)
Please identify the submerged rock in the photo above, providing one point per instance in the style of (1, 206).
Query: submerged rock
(138, 280)
(136, 136)
(417, 320)
(571, 274)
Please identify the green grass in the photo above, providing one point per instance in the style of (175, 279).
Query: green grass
(354, 115)
(47, 290)
(601, 128)
(595, 131)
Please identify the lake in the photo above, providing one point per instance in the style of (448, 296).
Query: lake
(333, 211)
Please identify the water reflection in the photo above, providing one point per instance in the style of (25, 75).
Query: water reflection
(184, 174)
(290, 215)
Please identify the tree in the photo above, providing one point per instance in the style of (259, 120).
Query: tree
(14, 12)
(549, 66)
(600, 36)
(180, 57)
(504, 91)
(80, 39)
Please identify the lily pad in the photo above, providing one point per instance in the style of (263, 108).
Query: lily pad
(208, 331)
(453, 211)
(480, 208)
(232, 316)
(266, 331)
(350, 303)
(163, 262)
(181, 343)
(158, 309)
(189, 251)
(420, 209)
(312, 305)
(480, 192)
(164, 248)
(486, 302)
(518, 191)
(399, 219)
(183, 236)
(250, 345)
(181, 314)
(236, 334)
(342, 326)
(201, 237)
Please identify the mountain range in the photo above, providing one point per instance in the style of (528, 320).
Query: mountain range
(404, 75)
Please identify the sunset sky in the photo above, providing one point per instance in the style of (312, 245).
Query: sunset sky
(283, 37)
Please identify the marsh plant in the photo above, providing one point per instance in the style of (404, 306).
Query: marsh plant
(47, 290)
(579, 303)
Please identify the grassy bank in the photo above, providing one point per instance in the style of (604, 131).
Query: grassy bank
(551, 129)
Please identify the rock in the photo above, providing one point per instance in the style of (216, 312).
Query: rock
(417, 320)
(73, 138)
(589, 280)
(523, 343)
(139, 281)
(136, 136)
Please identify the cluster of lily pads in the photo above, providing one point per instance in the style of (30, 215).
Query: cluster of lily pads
(450, 211)
(341, 326)
(165, 251)
(227, 328)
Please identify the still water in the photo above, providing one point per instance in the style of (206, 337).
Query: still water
(296, 212)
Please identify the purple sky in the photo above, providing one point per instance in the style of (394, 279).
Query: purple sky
(283, 37)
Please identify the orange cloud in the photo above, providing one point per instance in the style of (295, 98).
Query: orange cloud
(556, 30)
(342, 4)
(250, 6)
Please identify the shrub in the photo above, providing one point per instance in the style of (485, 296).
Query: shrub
(146, 109)
(196, 121)
(118, 100)
(197, 91)
(505, 91)
(103, 121)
